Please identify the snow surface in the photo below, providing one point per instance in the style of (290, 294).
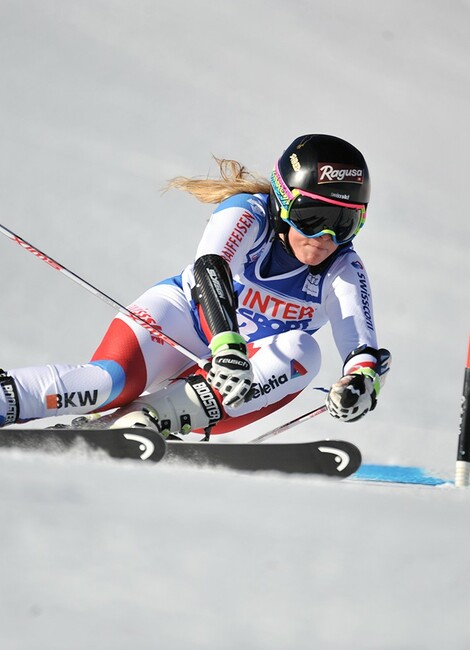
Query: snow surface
(102, 102)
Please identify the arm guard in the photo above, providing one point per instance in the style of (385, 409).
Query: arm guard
(214, 293)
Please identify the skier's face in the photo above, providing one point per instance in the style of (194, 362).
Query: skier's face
(311, 251)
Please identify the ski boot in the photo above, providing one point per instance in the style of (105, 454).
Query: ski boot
(183, 406)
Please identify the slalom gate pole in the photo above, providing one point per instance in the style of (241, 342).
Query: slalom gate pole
(202, 363)
(289, 425)
(462, 465)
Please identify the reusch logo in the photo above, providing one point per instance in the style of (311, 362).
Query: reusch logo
(339, 173)
(233, 363)
(74, 399)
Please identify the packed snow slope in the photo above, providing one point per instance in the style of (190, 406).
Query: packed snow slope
(102, 103)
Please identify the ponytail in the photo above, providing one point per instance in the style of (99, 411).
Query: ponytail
(234, 179)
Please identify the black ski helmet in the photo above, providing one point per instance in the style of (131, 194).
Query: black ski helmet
(324, 165)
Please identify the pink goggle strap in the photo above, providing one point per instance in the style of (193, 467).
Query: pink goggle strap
(317, 197)
(286, 195)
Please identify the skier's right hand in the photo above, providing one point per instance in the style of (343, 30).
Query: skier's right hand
(231, 372)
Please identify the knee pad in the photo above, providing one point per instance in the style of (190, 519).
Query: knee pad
(303, 348)
(291, 353)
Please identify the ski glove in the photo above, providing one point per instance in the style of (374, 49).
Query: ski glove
(231, 372)
(355, 394)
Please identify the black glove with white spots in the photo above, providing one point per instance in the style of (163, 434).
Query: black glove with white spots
(356, 393)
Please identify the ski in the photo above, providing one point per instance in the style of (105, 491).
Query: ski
(325, 457)
(132, 443)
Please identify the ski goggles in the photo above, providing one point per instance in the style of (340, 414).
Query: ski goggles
(313, 215)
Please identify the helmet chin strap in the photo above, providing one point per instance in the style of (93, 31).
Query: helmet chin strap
(284, 239)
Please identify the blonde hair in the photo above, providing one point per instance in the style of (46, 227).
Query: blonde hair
(234, 179)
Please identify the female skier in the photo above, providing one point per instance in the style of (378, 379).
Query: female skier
(275, 263)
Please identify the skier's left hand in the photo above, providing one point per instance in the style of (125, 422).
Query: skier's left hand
(355, 394)
(231, 372)
(351, 397)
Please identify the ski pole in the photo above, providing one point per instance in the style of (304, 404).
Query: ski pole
(202, 363)
(462, 464)
(289, 425)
